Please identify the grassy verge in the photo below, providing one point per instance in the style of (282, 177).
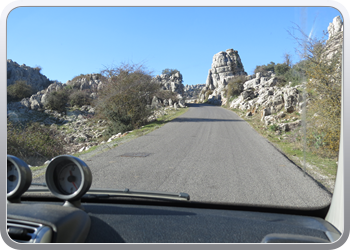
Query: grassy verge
(94, 150)
(321, 168)
(171, 114)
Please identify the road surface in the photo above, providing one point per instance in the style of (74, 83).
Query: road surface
(213, 155)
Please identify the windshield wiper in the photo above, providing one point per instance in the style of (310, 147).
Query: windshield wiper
(108, 193)
(111, 193)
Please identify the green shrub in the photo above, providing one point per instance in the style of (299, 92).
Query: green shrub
(167, 94)
(33, 142)
(281, 69)
(18, 91)
(57, 100)
(235, 86)
(170, 72)
(79, 98)
(273, 127)
(265, 68)
(124, 100)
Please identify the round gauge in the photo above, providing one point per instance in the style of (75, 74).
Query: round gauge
(12, 176)
(68, 177)
(19, 177)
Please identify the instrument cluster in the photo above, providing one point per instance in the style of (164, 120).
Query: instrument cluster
(67, 177)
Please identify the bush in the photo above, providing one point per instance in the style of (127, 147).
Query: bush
(79, 98)
(235, 86)
(33, 142)
(265, 68)
(57, 100)
(167, 94)
(18, 91)
(124, 100)
(281, 69)
(323, 67)
(170, 72)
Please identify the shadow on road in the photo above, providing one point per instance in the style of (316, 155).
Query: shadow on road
(191, 119)
(199, 105)
(197, 119)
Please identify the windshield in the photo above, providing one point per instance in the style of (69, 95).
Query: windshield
(238, 105)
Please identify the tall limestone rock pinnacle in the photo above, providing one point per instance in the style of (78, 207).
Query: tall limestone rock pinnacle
(335, 37)
(225, 66)
(335, 27)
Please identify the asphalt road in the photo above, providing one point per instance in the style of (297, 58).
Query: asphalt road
(211, 154)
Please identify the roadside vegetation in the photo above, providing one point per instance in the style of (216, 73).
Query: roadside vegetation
(124, 104)
(315, 145)
(33, 142)
(18, 91)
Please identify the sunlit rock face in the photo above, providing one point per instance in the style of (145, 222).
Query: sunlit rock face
(335, 27)
(171, 82)
(335, 37)
(30, 76)
(226, 64)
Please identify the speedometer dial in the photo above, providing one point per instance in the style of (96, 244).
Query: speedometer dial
(68, 177)
(19, 178)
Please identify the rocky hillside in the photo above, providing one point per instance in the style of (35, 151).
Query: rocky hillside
(76, 125)
(261, 92)
(31, 76)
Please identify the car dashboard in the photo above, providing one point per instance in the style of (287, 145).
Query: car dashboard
(54, 215)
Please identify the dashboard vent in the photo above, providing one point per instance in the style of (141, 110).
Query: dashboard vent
(28, 232)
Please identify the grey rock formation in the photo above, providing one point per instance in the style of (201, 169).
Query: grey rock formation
(335, 37)
(226, 65)
(89, 81)
(172, 82)
(31, 76)
(193, 91)
(37, 101)
(335, 27)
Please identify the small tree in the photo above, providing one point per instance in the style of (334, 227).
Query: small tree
(287, 59)
(323, 68)
(124, 100)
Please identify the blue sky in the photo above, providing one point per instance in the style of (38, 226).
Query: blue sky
(69, 41)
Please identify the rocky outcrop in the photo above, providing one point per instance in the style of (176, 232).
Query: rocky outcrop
(37, 101)
(89, 82)
(172, 83)
(193, 91)
(31, 76)
(226, 65)
(335, 27)
(83, 82)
